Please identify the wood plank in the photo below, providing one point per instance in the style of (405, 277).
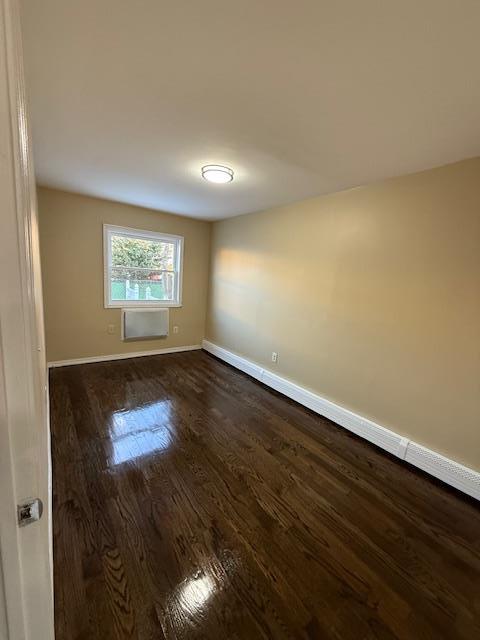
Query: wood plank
(190, 501)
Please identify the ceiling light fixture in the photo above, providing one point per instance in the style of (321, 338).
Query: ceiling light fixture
(217, 173)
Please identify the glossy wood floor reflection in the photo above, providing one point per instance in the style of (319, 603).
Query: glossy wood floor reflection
(192, 502)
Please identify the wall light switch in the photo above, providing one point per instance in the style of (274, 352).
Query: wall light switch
(175, 329)
(111, 329)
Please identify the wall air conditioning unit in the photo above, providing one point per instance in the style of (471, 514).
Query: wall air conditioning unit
(139, 324)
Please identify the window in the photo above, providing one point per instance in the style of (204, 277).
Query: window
(142, 268)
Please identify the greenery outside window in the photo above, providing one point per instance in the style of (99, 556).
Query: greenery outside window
(142, 268)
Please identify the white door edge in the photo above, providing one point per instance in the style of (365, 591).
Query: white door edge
(26, 594)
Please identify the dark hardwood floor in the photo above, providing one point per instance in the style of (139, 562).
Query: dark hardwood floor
(192, 502)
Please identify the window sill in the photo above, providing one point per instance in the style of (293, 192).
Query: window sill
(124, 304)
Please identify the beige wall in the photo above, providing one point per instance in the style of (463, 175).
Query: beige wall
(71, 242)
(370, 296)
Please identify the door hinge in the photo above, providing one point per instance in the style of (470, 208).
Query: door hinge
(29, 511)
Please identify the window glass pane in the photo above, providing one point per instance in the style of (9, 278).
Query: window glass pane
(139, 252)
(144, 267)
(129, 283)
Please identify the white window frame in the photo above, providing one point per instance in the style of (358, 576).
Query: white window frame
(110, 230)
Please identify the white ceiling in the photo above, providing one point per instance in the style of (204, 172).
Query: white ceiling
(129, 98)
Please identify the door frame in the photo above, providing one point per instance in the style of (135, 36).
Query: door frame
(26, 567)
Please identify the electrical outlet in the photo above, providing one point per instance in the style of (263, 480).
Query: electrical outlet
(274, 356)
(175, 329)
(111, 329)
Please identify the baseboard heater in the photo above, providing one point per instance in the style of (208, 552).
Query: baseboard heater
(139, 324)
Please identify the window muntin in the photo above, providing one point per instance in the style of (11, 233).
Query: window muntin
(142, 268)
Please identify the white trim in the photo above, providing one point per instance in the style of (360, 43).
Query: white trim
(140, 303)
(129, 232)
(449, 471)
(122, 356)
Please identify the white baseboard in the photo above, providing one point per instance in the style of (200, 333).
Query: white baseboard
(122, 356)
(449, 471)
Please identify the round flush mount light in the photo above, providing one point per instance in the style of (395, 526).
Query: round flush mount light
(217, 173)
